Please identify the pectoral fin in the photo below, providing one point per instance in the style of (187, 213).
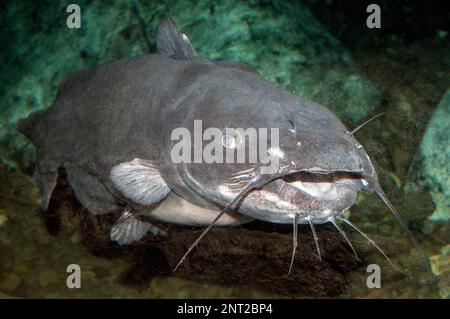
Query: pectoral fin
(129, 229)
(140, 181)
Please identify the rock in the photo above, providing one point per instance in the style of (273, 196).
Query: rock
(284, 42)
(7, 163)
(75, 238)
(48, 277)
(6, 257)
(440, 265)
(5, 296)
(23, 267)
(255, 256)
(349, 95)
(3, 218)
(10, 282)
(435, 159)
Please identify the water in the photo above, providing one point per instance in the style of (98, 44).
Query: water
(322, 50)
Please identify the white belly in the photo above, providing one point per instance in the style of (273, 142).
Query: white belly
(175, 209)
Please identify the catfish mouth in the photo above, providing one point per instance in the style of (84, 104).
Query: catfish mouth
(315, 196)
(321, 185)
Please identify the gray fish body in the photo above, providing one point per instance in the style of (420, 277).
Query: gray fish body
(111, 114)
(110, 127)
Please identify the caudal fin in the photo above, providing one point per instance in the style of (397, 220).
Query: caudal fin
(33, 127)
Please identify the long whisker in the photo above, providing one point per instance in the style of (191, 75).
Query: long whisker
(316, 239)
(256, 182)
(294, 240)
(397, 216)
(232, 202)
(366, 122)
(371, 241)
(342, 232)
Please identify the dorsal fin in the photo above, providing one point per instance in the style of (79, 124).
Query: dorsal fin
(171, 42)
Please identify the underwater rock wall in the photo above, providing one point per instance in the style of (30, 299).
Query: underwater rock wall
(283, 41)
(435, 158)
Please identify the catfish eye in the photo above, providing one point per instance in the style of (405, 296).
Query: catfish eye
(231, 140)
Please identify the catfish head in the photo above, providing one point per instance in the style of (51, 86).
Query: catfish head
(262, 151)
(292, 157)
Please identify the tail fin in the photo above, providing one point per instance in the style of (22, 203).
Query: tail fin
(33, 127)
